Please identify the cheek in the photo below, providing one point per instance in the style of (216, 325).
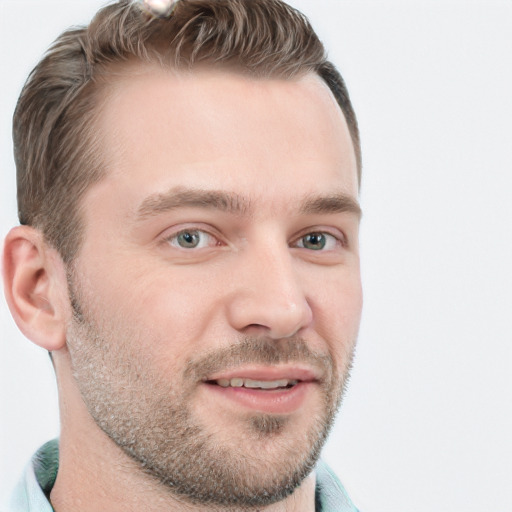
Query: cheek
(337, 312)
(338, 297)
(176, 308)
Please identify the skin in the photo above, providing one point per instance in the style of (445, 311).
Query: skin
(144, 301)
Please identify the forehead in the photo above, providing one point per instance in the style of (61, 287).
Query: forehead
(222, 130)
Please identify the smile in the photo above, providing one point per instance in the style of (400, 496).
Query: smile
(237, 382)
(271, 390)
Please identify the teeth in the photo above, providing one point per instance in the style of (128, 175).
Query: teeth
(268, 384)
(256, 384)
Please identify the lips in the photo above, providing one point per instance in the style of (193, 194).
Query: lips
(267, 373)
(277, 390)
(237, 382)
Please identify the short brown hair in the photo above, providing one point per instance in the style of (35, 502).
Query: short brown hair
(55, 147)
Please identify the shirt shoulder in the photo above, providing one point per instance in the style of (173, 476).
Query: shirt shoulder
(330, 495)
(32, 492)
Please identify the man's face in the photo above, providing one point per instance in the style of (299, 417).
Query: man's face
(217, 292)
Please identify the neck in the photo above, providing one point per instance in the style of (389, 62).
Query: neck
(95, 474)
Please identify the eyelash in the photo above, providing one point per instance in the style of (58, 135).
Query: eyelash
(174, 237)
(330, 239)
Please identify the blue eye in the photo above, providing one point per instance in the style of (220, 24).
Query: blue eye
(191, 239)
(317, 241)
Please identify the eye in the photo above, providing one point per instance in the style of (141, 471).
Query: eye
(191, 239)
(318, 242)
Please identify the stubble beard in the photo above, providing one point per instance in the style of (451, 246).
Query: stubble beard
(152, 421)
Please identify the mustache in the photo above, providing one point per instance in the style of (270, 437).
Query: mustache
(263, 351)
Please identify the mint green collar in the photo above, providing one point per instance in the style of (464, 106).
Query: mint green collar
(33, 492)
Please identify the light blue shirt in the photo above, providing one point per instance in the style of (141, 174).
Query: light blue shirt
(31, 493)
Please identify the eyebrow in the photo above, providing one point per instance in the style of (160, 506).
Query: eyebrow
(230, 202)
(336, 203)
(193, 198)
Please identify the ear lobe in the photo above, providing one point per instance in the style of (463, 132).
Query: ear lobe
(35, 287)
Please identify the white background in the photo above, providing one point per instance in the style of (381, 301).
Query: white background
(427, 423)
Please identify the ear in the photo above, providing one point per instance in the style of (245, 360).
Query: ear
(36, 287)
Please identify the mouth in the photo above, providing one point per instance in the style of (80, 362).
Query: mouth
(268, 385)
(270, 390)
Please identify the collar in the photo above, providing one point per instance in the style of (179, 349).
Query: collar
(33, 492)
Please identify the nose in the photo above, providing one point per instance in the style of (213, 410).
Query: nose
(267, 295)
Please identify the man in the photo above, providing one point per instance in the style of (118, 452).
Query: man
(188, 176)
